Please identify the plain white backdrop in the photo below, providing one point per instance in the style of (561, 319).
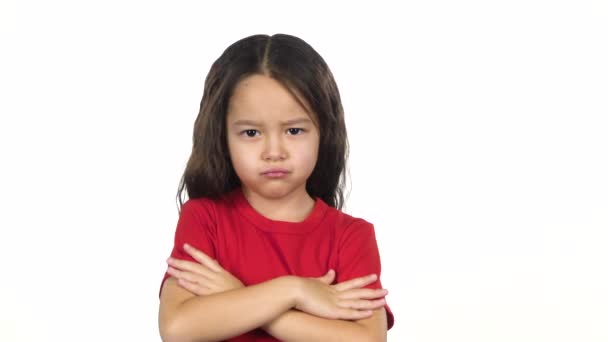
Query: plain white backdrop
(479, 149)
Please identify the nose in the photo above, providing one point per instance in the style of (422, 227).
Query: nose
(274, 149)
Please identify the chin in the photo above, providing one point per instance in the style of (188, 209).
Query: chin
(274, 191)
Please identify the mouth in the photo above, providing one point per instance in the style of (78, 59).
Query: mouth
(275, 173)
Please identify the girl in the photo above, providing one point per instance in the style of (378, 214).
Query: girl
(262, 249)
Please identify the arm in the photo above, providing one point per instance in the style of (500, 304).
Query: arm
(325, 303)
(183, 316)
(358, 255)
(295, 326)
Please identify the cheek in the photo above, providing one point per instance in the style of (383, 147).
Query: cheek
(309, 155)
(242, 157)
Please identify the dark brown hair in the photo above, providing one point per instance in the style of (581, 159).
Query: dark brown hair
(297, 66)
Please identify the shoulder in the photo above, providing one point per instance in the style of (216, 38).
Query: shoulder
(197, 206)
(346, 225)
(201, 209)
(206, 209)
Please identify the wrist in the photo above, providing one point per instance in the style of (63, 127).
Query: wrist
(291, 284)
(291, 288)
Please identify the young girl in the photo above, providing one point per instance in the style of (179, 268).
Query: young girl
(262, 249)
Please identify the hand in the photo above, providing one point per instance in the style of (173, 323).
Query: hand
(203, 278)
(347, 300)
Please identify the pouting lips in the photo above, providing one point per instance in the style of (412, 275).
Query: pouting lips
(275, 173)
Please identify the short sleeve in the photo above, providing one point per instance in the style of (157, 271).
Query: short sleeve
(359, 256)
(195, 227)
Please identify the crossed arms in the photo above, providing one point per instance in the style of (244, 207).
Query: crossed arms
(204, 302)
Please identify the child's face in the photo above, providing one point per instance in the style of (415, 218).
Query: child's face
(260, 139)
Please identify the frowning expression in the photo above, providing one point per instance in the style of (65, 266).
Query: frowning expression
(273, 140)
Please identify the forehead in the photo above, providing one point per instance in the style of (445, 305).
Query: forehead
(262, 97)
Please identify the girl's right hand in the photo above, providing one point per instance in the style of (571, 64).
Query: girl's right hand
(346, 300)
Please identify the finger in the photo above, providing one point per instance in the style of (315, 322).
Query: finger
(328, 278)
(356, 283)
(362, 304)
(190, 266)
(189, 276)
(354, 314)
(192, 287)
(363, 294)
(203, 258)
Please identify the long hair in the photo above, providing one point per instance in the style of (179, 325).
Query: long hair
(302, 71)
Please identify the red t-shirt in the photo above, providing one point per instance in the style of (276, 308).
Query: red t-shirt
(255, 249)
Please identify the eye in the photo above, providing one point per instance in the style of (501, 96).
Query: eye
(249, 132)
(295, 131)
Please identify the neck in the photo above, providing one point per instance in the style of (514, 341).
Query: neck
(294, 207)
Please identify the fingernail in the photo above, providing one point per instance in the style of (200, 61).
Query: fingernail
(186, 246)
(169, 260)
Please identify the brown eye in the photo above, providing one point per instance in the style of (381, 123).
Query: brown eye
(249, 132)
(295, 131)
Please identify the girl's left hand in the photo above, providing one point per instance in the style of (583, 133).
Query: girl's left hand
(203, 278)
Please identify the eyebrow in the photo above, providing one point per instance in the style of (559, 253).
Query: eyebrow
(284, 123)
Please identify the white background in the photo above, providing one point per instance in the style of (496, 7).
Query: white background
(479, 149)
